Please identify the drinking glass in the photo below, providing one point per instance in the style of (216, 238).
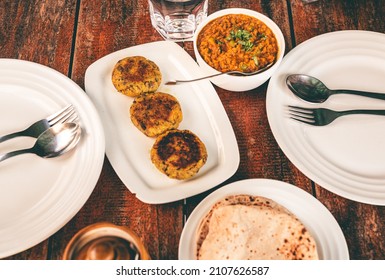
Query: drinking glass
(176, 20)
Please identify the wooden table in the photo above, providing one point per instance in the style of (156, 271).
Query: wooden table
(69, 35)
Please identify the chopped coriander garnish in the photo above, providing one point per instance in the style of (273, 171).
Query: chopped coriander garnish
(262, 36)
(248, 46)
(242, 37)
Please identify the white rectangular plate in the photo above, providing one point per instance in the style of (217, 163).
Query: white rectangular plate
(128, 149)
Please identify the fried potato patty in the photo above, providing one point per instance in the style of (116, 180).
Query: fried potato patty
(136, 75)
(155, 113)
(179, 154)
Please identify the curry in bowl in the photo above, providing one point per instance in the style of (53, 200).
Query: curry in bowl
(237, 42)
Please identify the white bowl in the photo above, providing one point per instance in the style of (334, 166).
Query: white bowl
(240, 83)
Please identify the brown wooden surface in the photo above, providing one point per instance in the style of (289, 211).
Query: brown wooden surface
(68, 35)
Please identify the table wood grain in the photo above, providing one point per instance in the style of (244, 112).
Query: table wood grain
(69, 35)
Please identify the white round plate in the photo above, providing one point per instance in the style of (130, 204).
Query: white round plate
(39, 196)
(347, 156)
(317, 219)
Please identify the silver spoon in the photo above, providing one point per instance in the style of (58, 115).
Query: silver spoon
(175, 82)
(53, 142)
(313, 90)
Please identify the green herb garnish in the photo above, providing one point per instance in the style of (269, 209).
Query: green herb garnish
(262, 36)
(241, 37)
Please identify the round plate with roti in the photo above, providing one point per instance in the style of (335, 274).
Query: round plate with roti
(286, 205)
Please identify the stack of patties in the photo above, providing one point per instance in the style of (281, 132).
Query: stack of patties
(177, 153)
(244, 227)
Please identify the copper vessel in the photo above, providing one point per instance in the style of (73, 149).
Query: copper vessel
(105, 241)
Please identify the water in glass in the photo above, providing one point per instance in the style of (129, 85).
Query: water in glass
(176, 20)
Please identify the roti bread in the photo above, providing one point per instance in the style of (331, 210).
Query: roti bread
(244, 227)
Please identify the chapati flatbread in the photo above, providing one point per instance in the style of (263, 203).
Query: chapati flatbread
(245, 227)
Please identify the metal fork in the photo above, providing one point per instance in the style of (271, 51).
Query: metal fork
(322, 116)
(68, 113)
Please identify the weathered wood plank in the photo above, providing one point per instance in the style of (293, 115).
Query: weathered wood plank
(105, 27)
(39, 31)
